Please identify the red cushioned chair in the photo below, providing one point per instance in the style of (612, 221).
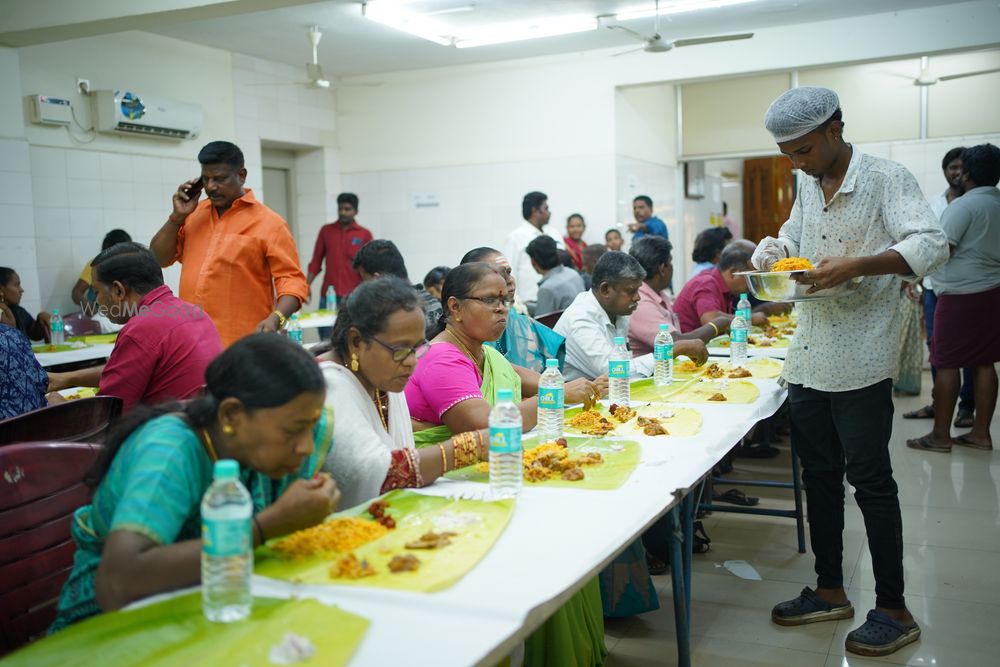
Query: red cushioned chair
(79, 324)
(40, 488)
(81, 420)
(550, 319)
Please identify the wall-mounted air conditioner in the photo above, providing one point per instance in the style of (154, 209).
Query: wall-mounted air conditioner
(122, 111)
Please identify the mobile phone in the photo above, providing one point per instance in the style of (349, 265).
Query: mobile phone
(194, 191)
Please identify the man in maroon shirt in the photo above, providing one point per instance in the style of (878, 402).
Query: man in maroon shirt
(337, 244)
(709, 294)
(166, 344)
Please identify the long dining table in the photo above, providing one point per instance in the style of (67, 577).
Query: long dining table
(556, 541)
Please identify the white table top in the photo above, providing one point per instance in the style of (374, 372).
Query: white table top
(89, 353)
(316, 322)
(772, 352)
(556, 541)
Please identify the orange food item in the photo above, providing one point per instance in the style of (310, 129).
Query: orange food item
(349, 567)
(404, 563)
(792, 264)
(336, 535)
(740, 373)
(718, 396)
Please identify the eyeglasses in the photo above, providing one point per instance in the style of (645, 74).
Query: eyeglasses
(401, 352)
(493, 301)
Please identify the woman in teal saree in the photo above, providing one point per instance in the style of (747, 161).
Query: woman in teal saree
(452, 390)
(141, 534)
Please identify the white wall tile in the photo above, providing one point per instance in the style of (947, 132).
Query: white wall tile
(146, 169)
(86, 223)
(84, 164)
(52, 222)
(49, 191)
(84, 193)
(121, 219)
(16, 220)
(150, 195)
(15, 187)
(47, 162)
(118, 194)
(54, 252)
(19, 254)
(14, 155)
(116, 167)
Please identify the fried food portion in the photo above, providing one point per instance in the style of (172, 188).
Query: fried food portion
(792, 264)
(652, 426)
(377, 508)
(349, 567)
(591, 422)
(718, 396)
(342, 534)
(714, 371)
(573, 475)
(432, 540)
(404, 563)
(622, 412)
(686, 366)
(740, 373)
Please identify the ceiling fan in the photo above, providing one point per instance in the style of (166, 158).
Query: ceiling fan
(928, 79)
(314, 71)
(655, 43)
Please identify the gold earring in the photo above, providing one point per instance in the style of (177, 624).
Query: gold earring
(354, 362)
(458, 319)
(227, 429)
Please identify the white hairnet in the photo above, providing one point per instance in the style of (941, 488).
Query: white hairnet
(799, 111)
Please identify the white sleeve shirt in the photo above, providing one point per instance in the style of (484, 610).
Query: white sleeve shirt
(590, 335)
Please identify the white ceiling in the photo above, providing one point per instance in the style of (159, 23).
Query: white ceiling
(353, 45)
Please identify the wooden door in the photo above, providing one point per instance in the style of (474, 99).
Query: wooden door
(768, 194)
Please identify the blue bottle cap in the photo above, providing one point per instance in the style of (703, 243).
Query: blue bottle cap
(505, 394)
(226, 469)
(619, 340)
(552, 363)
(664, 327)
(743, 295)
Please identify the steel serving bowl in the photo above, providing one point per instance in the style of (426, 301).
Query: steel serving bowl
(779, 286)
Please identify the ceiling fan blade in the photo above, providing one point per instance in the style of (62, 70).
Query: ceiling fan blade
(633, 33)
(280, 83)
(711, 40)
(949, 77)
(623, 53)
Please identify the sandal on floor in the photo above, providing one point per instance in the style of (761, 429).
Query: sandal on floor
(965, 420)
(809, 608)
(655, 566)
(881, 635)
(925, 444)
(702, 543)
(736, 497)
(926, 412)
(966, 441)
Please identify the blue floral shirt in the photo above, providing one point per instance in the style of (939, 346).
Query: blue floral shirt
(23, 382)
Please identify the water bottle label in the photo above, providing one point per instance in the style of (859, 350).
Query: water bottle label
(505, 439)
(618, 369)
(738, 335)
(663, 352)
(745, 314)
(57, 326)
(295, 336)
(550, 398)
(225, 538)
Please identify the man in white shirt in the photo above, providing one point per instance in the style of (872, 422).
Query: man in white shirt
(598, 316)
(858, 216)
(951, 165)
(535, 209)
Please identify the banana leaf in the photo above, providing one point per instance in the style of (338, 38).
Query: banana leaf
(723, 341)
(735, 391)
(43, 348)
(415, 514)
(620, 458)
(681, 422)
(96, 339)
(175, 632)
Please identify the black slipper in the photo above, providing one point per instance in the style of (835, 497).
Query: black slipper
(736, 497)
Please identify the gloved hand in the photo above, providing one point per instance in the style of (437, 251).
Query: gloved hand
(768, 251)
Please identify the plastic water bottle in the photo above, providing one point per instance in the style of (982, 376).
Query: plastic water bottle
(506, 475)
(57, 328)
(739, 331)
(663, 356)
(618, 373)
(294, 329)
(331, 299)
(226, 546)
(550, 402)
(743, 308)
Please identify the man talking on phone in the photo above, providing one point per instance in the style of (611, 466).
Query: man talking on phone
(238, 258)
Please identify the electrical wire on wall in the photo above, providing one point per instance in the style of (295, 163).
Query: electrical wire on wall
(75, 139)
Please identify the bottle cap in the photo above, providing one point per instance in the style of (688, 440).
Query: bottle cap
(505, 394)
(743, 295)
(55, 311)
(552, 363)
(295, 316)
(664, 327)
(619, 340)
(226, 469)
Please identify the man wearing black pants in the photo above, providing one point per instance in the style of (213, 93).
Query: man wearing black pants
(864, 222)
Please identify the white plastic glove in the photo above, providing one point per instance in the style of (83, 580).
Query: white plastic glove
(768, 251)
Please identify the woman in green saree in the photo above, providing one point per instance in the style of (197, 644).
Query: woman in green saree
(141, 534)
(452, 390)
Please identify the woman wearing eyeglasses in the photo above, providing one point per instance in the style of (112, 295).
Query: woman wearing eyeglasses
(376, 341)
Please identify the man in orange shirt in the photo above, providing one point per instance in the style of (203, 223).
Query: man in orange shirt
(239, 260)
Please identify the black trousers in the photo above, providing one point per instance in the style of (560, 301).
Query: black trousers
(848, 432)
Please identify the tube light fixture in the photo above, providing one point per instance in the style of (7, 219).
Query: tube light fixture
(392, 15)
(502, 34)
(678, 7)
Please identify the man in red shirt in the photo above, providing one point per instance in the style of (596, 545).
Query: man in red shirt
(709, 294)
(337, 244)
(166, 344)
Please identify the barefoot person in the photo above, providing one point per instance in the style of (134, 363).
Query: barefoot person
(856, 215)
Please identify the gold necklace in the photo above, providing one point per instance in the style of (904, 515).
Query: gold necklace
(466, 350)
(381, 411)
(208, 444)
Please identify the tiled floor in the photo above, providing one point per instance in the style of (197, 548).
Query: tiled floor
(951, 531)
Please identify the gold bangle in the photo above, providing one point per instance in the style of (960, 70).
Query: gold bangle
(281, 318)
(444, 459)
(712, 324)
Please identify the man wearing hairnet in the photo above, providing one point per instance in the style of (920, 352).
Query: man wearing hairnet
(863, 220)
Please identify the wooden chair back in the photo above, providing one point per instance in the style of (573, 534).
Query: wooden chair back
(79, 324)
(41, 485)
(549, 319)
(81, 420)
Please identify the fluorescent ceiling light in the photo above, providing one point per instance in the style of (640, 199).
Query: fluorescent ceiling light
(393, 14)
(678, 7)
(502, 34)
